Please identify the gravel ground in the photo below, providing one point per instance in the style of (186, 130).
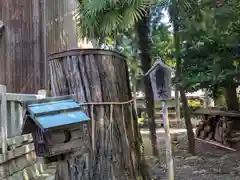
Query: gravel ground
(210, 163)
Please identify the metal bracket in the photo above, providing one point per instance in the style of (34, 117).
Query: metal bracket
(2, 27)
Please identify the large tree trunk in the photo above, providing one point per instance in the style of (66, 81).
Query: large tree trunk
(187, 117)
(218, 96)
(100, 76)
(144, 47)
(215, 94)
(231, 95)
(177, 107)
(206, 99)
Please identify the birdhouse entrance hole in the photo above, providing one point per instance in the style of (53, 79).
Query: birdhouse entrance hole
(63, 136)
(68, 136)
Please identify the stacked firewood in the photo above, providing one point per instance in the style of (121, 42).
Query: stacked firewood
(215, 128)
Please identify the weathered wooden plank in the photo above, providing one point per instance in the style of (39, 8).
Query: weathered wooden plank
(66, 147)
(168, 144)
(50, 177)
(43, 31)
(3, 119)
(204, 111)
(215, 144)
(36, 46)
(22, 97)
(7, 54)
(29, 173)
(19, 140)
(16, 152)
(14, 165)
(20, 47)
(61, 25)
(20, 116)
(13, 118)
(48, 99)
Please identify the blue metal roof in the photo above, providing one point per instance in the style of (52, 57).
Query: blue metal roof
(61, 119)
(53, 106)
(57, 113)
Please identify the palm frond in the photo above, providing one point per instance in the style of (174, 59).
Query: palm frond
(97, 18)
(111, 21)
(94, 7)
(132, 14)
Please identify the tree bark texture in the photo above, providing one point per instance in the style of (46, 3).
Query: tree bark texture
(231, 95)
(187, 118)
(101, 76)
(175, 16)
(177, 106)
(144, 46)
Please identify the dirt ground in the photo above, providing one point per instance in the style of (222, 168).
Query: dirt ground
(210, 163)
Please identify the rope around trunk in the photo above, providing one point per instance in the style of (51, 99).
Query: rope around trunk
(108, 103)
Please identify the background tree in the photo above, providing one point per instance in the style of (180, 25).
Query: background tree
(174, 9)
(210, 51)
(100, 19)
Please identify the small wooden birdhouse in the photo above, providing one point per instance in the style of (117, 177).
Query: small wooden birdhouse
(160, 76)
(58, 125)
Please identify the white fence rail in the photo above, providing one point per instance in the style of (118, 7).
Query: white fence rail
(11, 114)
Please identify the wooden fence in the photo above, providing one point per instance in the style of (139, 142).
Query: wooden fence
(12, 112)
(17, 156)
(140, 103)
(19, 162)
(33, 29)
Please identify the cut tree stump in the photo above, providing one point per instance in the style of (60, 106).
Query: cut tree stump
(99, 76)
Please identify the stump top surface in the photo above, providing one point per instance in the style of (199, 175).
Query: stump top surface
(77, 52)
(205, 111)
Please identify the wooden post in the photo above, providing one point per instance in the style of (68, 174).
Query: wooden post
(160, 75)
(168, 144)
(13, 120)
(20, 115)
(3, 119)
